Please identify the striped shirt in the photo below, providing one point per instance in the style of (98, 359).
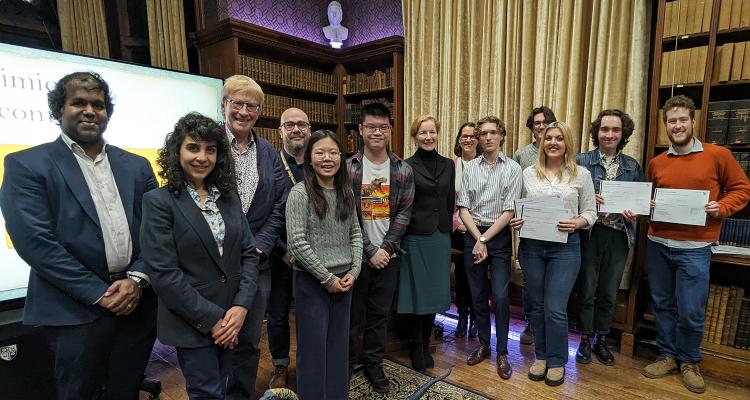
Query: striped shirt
(488, 190)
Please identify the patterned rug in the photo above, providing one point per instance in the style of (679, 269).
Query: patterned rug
(404, 383)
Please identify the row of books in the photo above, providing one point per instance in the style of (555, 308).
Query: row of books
(662, 139)
(732, 62)
(318, 112)
(378, 79)
(727, 317)
(271, 134)
(683, 66)
(734, 14)
(682, 17)
(353, 141)
(728, 122)
(352, 110)
(734, 231)
(288, 75)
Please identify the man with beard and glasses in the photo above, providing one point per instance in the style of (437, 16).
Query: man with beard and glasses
(295, 131)
(72, 208)
(262, 187)
(679, 256)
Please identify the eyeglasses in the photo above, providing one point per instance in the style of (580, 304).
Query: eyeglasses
(372, 128)
(240, 105)
(468, 138)
(289, 125)
(321, 155)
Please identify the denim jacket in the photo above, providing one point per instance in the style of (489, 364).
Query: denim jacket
(629, 171)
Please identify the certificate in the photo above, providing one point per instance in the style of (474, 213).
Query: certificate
(620, 196)
(680, 206)
(540, 223)
(554, 201)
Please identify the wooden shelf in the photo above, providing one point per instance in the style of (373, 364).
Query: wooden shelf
(731, 83)
(698, 85)
(266, 119)
(355, 97)
(731, 259)
(733, 35)
(686, 41)
(290, 91)
(727, 351)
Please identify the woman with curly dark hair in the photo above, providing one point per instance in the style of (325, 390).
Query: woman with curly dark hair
(199, 253)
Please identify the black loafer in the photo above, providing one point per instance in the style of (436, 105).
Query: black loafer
(583, 355)
(602, 352)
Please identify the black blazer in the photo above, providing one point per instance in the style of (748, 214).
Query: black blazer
(51, 218)
(194, 283)
(434, 197)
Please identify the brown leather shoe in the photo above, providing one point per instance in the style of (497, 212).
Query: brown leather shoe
(504, 369)
(476, 356)
(279, 378)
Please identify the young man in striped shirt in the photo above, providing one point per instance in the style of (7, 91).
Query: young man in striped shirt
(491, 183)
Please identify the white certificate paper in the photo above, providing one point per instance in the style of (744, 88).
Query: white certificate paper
(680, 206)
(554, 201)
(540, 223)
(620, 196)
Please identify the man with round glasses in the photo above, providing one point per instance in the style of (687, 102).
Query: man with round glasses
(262, 187)
(294, 129)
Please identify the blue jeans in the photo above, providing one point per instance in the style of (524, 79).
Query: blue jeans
(678, 279)
(549, 272)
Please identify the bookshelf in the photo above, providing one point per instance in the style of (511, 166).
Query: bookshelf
(329, 85)
(688, 45)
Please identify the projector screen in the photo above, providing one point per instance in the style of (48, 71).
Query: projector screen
(148, 102)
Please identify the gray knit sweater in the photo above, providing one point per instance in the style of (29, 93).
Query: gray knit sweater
(321, 247)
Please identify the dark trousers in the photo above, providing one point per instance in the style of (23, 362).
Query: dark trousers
(463, 292)
(497, 264)
(205, 370)
(279, 302)
(679, 279)
(549, 274)
(603, 258)
(322, 320)
(106, 358)
(371, 302)
(247, 353)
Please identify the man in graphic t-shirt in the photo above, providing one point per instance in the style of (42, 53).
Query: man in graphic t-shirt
(384, 191)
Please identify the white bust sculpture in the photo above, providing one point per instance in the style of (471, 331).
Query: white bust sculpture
(335, 32)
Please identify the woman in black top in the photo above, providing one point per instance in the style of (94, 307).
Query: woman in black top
(424, 278)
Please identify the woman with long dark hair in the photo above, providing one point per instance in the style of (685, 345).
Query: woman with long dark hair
(325, 244)
(199, 253)
(465, 149)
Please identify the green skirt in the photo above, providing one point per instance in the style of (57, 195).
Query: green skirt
(424, 278)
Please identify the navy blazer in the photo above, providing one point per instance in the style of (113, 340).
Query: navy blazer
(195, 284)
(52, 221)
(266, 212)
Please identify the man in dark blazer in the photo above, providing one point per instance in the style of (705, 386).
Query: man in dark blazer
(73, 211)
(263, 191)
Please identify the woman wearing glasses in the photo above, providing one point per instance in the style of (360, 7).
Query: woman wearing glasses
(199, 253)
(467, 148)
(424, 278)
(551, 268)
(325, 244)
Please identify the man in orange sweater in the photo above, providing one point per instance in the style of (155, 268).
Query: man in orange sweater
(679, 256)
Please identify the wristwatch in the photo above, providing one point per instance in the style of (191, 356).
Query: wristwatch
(142, 283)
(482, 239)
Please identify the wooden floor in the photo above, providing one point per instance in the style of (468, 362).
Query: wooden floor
(592, 381)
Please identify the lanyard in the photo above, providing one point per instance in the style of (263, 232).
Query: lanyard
(286, 168)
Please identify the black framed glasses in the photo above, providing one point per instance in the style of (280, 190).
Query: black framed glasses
(289, 125)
